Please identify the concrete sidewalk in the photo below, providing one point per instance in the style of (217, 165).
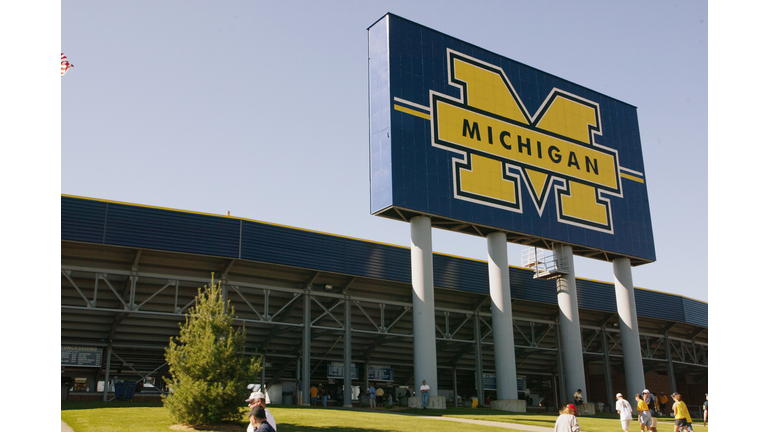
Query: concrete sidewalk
(65, 427)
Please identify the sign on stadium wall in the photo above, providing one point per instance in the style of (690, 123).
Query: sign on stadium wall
(460, 133)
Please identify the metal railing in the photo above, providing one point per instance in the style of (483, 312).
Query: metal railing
(544, 263)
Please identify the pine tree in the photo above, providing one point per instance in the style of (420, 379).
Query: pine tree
(209, 373)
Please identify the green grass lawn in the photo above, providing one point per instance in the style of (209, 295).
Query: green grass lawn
(152, 417)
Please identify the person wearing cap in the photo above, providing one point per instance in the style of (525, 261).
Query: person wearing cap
(643, 413)
(257, 398)
(650, 400)
(258, 420)
(566, 421)
(706, 408)
(682, 416)
(625, 411)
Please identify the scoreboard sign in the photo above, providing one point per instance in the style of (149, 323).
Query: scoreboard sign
(81, 356)
(475, 139)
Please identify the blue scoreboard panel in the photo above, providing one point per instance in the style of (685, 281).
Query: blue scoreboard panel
(482, 143)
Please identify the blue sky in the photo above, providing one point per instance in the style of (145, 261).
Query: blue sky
(260, 108)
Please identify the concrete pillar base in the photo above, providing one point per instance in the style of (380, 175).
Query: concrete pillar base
(434, 402)
(587, 408)
(512, 405)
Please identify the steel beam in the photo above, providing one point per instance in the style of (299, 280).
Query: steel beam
(306, 346)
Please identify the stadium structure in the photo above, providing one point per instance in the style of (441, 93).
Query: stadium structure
(130, 272)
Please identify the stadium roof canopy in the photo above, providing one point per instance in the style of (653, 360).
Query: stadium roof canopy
(130, 272)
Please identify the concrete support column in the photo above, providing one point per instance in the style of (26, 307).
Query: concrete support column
(570, 330)
(501, 308)
(479, 360)
(607, 367)
(455, 389)
(106, 375)
(424, 346)
(299, 384)
(348, 353)
(305, 372)
(561, 393)
(630, 334)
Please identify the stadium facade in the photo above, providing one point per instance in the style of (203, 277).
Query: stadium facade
(317, 305)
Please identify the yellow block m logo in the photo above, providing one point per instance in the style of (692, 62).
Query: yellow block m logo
(501, 144)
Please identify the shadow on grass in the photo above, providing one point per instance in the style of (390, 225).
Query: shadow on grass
(476, 412)
(534, 419)
(289, 427)
(76, 405)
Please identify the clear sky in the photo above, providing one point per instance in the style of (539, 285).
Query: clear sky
(261, 108)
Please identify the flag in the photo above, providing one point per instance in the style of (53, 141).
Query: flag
(65, 64)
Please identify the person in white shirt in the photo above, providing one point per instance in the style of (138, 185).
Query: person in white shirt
(258, 399)
(624, 409)
(424, 393)
(567, 421)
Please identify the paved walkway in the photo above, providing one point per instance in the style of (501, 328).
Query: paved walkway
(65, 427)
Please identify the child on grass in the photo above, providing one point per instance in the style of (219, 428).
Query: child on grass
(567, 421)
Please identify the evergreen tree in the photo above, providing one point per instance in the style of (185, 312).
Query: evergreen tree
(209, 373)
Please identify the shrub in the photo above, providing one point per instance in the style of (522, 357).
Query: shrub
(209, 372)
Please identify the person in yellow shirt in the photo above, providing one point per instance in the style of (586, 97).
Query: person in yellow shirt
(682, 416)
(643, 413)
(313, 395)
(663, 399)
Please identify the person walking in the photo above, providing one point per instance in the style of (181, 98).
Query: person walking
(567, 421)
(424, 393)
(643, 413)
(258, 420)
(258, 399)
(625, 411)
(380, 396)
(650, 400)
(682, 416)
(706, 408)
